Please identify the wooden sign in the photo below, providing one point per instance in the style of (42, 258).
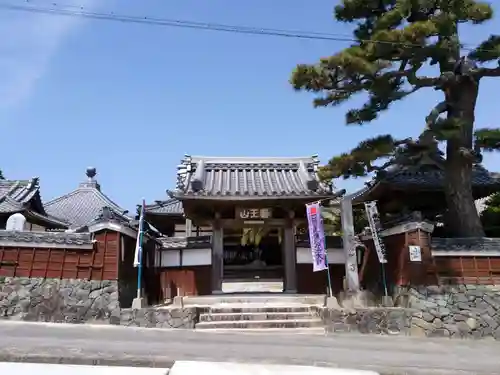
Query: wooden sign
(253, 213)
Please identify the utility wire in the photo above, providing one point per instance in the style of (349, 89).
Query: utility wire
(79, 11)
(153, 21)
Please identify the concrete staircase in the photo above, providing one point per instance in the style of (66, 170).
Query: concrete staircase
(256, 312)
(258, 317)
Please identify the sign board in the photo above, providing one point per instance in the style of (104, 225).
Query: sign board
(253, 213)
(376, 228)
(415, 253)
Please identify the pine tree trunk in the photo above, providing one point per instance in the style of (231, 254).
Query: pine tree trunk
(463, 219)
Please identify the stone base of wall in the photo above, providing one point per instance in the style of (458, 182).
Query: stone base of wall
(461, 311)
(161, 317)
(82, 301)
(63, 301)
(391, 321)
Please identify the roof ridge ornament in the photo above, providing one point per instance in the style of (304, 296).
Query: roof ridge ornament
(91, 182)
(312, 183)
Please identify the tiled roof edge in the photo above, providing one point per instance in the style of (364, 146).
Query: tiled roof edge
(47, 240)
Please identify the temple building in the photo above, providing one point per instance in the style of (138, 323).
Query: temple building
(80, 235)
(238, 224)
(22, 197)
(415, 182)
(81, 206)
(241, 219)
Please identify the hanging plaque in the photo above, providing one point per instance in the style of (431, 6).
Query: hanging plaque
(253, 213)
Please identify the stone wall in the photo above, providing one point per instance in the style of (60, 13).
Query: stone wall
(459, 311)
(161, 317)
(62, 301)
(82, 301)
(390, 321)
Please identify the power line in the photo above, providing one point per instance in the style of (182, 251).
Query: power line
(79, 11)
(153, 21)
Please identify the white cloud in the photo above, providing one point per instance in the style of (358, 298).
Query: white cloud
(28, 42)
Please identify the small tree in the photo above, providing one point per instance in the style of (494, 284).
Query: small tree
(394, 40)
(1, 175)
(490, 216)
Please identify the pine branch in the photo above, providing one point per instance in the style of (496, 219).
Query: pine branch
(360, 161)
(488, 72)
(488, 50)
(487, 139)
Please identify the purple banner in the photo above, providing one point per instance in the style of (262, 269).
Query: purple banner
(316, 237)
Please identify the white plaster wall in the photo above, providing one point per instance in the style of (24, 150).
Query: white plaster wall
(197, 257)
(335, 256)
(191, 257)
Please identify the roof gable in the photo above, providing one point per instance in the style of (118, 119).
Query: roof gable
(24, 196)
(83, 205)
(249, 177)
(169, 207)
(16, 195)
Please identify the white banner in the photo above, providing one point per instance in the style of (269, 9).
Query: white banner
(375, 227)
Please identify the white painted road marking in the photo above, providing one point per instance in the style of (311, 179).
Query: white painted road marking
(49, 369)
(228, 368)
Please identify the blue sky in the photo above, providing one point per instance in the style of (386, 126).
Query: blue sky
(131, 100)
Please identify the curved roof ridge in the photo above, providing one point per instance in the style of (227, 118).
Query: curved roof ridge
(82, 205)
(252, 159)
(170, 206)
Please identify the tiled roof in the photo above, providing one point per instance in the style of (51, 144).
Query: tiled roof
(465, 245)
(83, 205)
(249, 178)
(14, 195)
(435, 177)
(24, 196)
(54, 238)
(171, 207)
(108, 214)
(428, 178)
(185, 242)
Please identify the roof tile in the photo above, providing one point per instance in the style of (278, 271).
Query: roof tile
(83, 205)
(171, 207)
(235, 177)
(173, 243)
(15, 194)
(58, 238)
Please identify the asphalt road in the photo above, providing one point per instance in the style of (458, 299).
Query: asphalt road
(84, 344)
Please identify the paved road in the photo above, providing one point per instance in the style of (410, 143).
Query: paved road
(80, 344)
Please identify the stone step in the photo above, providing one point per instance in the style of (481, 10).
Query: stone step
(255, 324)
(260, 308)
(274, 299)
(234, 316)
(266, 331)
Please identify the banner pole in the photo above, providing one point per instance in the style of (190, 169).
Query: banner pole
(384, 280)
(328, 271)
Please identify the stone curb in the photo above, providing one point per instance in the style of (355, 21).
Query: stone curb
(134, 361)
(89, 360)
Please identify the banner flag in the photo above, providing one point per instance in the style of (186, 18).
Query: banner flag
(317, 237)
(375, 228)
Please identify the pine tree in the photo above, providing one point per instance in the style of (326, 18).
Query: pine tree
(393, 42)
(1, 175)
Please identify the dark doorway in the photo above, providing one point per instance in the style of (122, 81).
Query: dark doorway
(253, 254)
